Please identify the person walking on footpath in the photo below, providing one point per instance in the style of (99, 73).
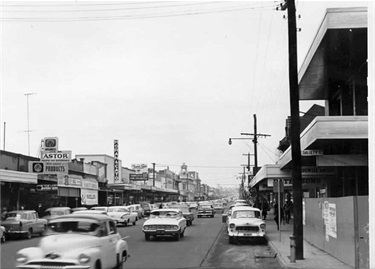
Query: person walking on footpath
(276, 214)
(265, 207)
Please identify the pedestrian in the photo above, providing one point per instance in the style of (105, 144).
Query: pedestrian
(265, 208)
(161, 205)
(276, 214)
(287, 209)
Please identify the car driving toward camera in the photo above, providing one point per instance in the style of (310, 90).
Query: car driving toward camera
(168, 222)
(77, 241)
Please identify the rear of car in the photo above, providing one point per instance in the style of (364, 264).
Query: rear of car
(206, 211)
(146, 208)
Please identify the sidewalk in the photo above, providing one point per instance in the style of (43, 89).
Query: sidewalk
(314, 258)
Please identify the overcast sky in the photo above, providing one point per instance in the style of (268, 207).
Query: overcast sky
(172, 81)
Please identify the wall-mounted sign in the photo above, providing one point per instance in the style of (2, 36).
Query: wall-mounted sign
(50, 144)
(138, 177)
(116, 161)
(58, 156)
(48, 167)
(311, 152)
(46, 187)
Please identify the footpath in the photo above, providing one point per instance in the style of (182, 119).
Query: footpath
(314, 258)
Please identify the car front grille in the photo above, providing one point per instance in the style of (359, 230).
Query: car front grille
(51, 265)
(247, 228)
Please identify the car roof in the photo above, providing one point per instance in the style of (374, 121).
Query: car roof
(57, 208)
(166, 209)
(236, 208)
(85, 216)
(21, 211)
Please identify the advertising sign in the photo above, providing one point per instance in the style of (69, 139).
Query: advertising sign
(138, 177)
(89, 197)
(116, 164)
(72, 181)
(48, 167)
(50, 144)
(58, 156)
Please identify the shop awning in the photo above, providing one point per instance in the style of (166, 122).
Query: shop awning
(271, 171)
(18, 177)
(125, 186)
(330, 128)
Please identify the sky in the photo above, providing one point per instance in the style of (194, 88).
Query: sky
(172, 81)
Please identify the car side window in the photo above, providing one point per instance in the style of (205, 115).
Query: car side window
(103, 230)
(112, 228)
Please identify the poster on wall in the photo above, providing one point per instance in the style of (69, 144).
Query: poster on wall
(89, 197)
(331, 227)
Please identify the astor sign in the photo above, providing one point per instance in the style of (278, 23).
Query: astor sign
(57, 156)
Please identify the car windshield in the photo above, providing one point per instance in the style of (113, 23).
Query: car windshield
(164, 214)
(53, 213)
(206, 206)
(118, 210)
(245, 214)
(81, 226)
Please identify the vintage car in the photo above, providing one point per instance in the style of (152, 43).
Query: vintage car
(188, 215)
(136, 208)
(2, 234)
(53, 212)
(218, 207)
(245, 222)
(146, 208)
(165, 222)
(23, 223)
(77, 241)
(122, 215)
(206, 210)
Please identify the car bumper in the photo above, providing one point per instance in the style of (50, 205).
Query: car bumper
(247, 234)
(205, 213)
(162, 232)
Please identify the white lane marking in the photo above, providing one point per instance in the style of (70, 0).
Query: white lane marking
(125, 237)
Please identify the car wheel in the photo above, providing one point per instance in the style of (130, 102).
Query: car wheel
(147, 237)
(98, 265)
(177, 236)
(121, 264)
(183, 233)
(135, 222)
(29, 234)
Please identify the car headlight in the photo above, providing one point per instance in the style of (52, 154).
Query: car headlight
(21, 258)
(146, 228)
(231, 225)
(83, 258)
(263, 226)
(175, 227)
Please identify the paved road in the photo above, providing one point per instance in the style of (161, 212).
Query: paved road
(204, 246)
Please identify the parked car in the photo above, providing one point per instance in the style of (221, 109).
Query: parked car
(219, 207)
(122, 215)
(168, 222)
(23, 223)
(137, 208)
(53, 212)
(2, 234)
(77, 241)
(245, 222)
(146, 208)
(188, 215)
(99, 208)
(206, 210)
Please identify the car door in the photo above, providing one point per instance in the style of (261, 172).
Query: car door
(108, 245)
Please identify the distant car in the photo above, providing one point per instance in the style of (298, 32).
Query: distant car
(146, 208)
(193, 205)
(23, 223)
(53, 212)
(206, 210)
(99, 208)
(245, 222)
(188, 215)
(122, 215)
(74, 209)
(137, 208)
(168, 222)
(77, 241)
(2, 234)
(219, 207)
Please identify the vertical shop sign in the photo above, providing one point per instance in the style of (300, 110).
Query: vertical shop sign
(116, 165)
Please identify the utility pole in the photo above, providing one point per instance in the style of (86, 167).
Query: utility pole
(28, 122)
(248, 165)
(4, 135)
(153, 174)
(295, 128)
(255, 141)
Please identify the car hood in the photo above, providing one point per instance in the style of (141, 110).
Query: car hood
(246, 221)
(163, 221)
(117, 214)
(68, 242)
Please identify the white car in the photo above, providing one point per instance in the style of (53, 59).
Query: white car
(245, 222)
(77, 241)
(165, 222)
(122, 215)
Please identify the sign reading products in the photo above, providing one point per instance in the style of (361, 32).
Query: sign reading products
(48, 168)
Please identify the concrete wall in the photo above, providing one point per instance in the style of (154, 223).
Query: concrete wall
(341, 230)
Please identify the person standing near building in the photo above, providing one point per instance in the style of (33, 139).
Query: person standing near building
(265, 207)
(276, 214)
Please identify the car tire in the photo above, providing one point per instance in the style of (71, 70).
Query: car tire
(135, 222)
(29, 233)
(121, 262)
(183, 233)
(147, 237)
(98, 265)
